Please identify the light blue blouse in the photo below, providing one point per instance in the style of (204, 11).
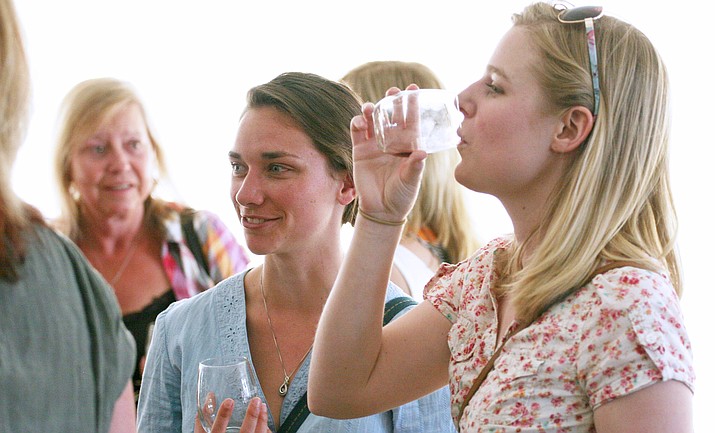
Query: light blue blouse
(213, 324)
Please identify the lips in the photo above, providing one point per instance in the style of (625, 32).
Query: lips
(119, 187)
(251, 221)
(461, 137)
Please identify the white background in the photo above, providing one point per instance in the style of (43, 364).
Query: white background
(193, 62)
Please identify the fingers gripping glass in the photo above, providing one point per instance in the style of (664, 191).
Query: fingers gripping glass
(586, 15)
(222, 378)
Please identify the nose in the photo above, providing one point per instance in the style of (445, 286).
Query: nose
(120, 158)
(248, 190)
(467, 104)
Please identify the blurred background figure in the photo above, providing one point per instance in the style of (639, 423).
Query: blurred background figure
(65, 355)
(439, 227)
(152, 251)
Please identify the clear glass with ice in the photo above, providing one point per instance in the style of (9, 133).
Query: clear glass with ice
(425, 119)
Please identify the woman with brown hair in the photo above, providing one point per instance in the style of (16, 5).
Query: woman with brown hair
(292, 188)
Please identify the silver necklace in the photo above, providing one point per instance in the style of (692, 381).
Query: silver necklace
(283, 389)
(118, 275)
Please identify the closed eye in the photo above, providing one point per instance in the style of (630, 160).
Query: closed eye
(494, 89)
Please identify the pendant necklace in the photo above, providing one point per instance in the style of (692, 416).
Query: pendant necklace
(123, 266)
(283, 389)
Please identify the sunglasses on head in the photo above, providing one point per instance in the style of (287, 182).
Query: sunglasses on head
(586, 15)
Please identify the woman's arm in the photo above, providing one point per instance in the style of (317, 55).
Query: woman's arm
(357, 368)
(125, 414)
(663, 407)
(360, 368)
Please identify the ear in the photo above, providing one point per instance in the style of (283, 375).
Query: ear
(347, 192)
(575, 126)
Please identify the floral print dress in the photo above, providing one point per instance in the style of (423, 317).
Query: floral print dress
(619, 333)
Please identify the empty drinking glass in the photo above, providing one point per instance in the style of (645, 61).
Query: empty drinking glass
(221, 378)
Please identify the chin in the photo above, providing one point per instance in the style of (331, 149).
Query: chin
(468, 179)
(460, 176)
(257, 247)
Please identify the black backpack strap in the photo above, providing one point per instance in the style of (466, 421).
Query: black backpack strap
(300, 411)
(394, 306)
(296, 417)
(192, 239)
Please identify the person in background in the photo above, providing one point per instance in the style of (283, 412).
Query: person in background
(151, 251)
(293, 136)
(65, 356)
(439, 227)
(573, 324)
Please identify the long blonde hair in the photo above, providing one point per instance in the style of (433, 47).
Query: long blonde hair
(615, 202)
(440, 205)
(83, 109)
(15, 215)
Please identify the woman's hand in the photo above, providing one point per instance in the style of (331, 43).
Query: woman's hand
(256, 420)
(387, 184)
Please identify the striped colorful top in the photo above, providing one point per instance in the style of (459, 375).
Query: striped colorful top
(224, 255)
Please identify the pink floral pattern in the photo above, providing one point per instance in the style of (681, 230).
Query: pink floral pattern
(621, 332)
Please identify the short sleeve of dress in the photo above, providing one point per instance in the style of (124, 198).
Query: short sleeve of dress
(454, 286)
(462, 293)
(443, 291)
(633, 336)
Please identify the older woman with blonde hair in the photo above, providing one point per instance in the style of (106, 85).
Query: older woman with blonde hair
(152, 251)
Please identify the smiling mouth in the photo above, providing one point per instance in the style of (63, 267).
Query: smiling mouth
(251, 220)
(120, 187)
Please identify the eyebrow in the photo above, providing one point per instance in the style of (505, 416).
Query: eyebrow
(495, 70)
(265, 155)
(109, 137)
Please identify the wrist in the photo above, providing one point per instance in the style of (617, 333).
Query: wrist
(380, 220)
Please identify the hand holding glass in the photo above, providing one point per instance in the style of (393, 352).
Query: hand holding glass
(220, 379)
(424, 119)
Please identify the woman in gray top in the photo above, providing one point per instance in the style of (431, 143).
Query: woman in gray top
(65, 355)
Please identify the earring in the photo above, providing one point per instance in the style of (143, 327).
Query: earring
(74, 193)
